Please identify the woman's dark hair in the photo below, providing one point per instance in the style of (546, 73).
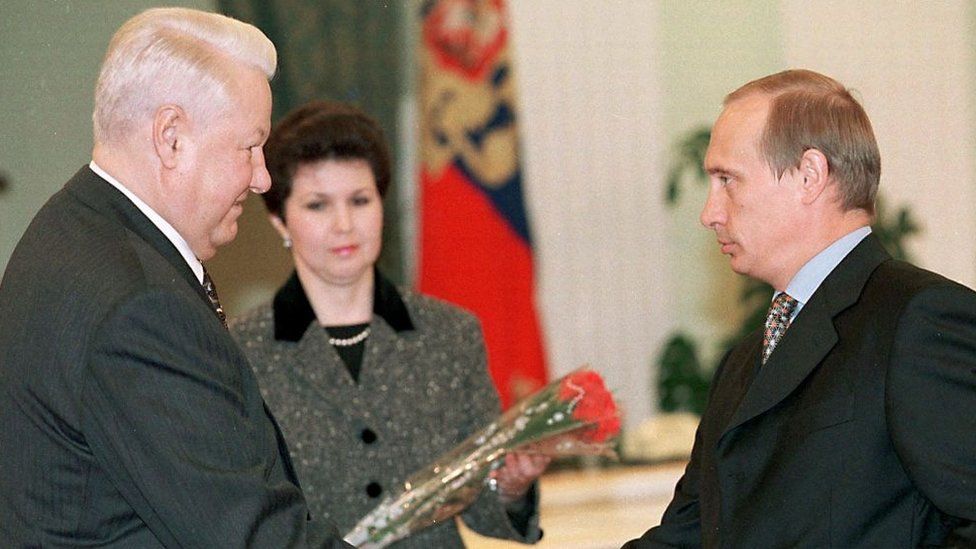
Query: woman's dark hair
(322, 130)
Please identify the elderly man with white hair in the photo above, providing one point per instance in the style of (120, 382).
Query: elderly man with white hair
(129, 416)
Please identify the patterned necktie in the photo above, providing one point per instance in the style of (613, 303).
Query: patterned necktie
(777, 321)
(208, 286)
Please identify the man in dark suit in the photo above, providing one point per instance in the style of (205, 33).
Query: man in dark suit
(850, 420)
(128, 416)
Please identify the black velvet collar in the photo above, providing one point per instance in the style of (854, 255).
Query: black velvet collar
(293, 313)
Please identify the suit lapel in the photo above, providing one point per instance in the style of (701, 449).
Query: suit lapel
(806, 343)
(380, 348)
(811, 336)
(87, 187)
(321, 368)
(321, 365)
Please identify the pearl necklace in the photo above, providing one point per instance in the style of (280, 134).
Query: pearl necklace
(350, 341)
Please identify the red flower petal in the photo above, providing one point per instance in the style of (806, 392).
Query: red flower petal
(587, 395)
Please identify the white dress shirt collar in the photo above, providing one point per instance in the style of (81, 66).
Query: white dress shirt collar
(157, 220)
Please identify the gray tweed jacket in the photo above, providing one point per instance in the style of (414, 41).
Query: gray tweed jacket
(423, 388)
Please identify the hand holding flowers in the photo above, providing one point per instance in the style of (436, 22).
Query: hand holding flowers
(574, 415)
(515, 476)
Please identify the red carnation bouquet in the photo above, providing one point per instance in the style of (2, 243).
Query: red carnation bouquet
(574, 415)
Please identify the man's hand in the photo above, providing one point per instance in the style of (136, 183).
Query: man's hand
(513, 479)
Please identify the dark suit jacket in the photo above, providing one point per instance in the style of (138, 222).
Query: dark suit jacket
(129, 416)
(860, 430)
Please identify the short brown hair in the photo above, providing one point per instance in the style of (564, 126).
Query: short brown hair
(811, 111)
(322, 130)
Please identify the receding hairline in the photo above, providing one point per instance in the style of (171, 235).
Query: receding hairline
(787, 81)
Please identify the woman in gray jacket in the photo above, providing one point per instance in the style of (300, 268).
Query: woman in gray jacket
(369, 383)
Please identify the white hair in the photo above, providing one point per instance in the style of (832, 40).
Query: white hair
(173, 56)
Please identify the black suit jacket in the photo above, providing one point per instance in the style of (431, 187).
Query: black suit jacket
(128, 415)
(859, 431)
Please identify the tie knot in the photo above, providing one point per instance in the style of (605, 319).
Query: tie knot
(783, 305)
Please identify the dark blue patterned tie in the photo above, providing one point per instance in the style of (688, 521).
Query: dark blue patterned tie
(208, 286)
(777, 321)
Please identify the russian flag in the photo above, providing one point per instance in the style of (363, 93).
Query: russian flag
(475, 244)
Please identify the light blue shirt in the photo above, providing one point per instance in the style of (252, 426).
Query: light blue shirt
(812, 274)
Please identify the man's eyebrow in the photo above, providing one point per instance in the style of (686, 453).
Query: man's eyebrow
(715, 170)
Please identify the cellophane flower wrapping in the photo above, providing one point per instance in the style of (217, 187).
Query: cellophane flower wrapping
(574, 415)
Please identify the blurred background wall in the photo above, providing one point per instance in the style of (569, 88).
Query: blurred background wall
(50, 52)
(606, 90)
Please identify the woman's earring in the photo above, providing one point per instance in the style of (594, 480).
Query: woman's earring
(287, 242)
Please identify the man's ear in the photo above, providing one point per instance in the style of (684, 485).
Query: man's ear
(168, 132)
(814, 175)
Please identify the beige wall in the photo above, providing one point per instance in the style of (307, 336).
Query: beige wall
(914, 67)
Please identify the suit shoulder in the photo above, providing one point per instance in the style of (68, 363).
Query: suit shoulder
(903, 281)
(430, 311)
(69, 247)
(897, 289)
(256, 322)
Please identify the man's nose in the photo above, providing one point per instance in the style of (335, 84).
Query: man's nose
(713, 213)
(260, 179)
